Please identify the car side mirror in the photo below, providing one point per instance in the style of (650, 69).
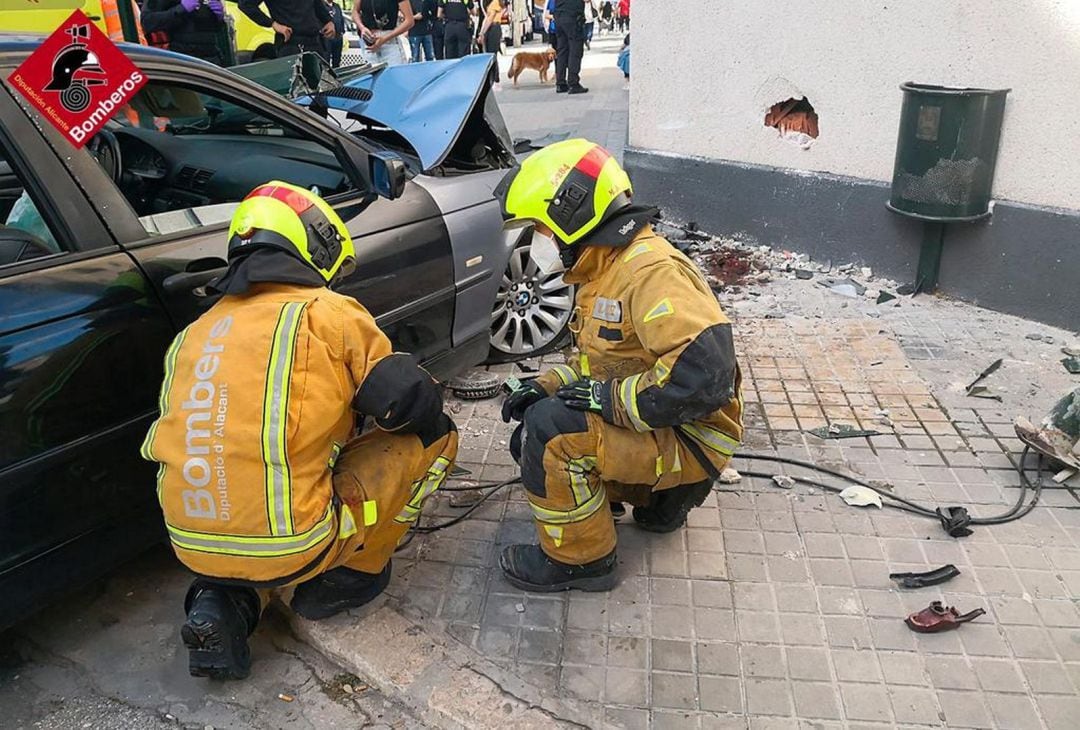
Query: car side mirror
(388, 174)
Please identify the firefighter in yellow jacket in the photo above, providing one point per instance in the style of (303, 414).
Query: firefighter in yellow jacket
(261, 480)
(650, 410)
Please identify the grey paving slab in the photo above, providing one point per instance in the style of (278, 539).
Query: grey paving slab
(773, 609)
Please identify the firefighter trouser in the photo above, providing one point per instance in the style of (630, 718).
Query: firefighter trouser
(384, 479)
(574, 463)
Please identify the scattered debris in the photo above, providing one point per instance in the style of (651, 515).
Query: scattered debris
(476, 385)
(285, 698)
(906, 290)
(730, 476)
(804, 274)
(884, 296)
(1072, 364)
(844, 287)
(528, 367)
(954, 520)
(1049, 441)
(929, 578)
(466, 498)
(1038, 337)
(841, 431)
(980, 391)
(783, 481)
(938, 617)
(861, 497)
(519, 607)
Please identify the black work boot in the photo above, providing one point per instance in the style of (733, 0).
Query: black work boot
(527, 567)
(220, 619)
(668, 508)
(577, 89)
(337, 590)
(561, 88)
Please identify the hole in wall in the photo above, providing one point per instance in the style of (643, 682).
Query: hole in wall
(795, 120)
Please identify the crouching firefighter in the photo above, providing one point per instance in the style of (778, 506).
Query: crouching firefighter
(650, 411)
(262, 482)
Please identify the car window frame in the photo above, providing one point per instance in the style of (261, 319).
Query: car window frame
(36, 159)
(126, 227)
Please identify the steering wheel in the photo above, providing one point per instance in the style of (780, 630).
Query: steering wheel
(106, 150)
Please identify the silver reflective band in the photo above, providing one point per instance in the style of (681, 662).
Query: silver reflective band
(275, 419)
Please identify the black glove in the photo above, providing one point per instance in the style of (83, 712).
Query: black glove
(589, 395)
(521, 395)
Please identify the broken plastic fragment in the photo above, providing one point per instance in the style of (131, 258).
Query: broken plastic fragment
(938, 617)
(978, 391)
(841, 431)
(929, 578)
(1072, 364)
(861, 497)
(783, 481)
(885, 296)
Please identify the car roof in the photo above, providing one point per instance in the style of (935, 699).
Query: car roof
(23, 44)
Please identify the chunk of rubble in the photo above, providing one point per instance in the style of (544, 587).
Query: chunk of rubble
(730, 476)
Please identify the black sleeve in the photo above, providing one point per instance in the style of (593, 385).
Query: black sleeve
(158, 15)
(253, 9)
(322, 12)
(399, 394)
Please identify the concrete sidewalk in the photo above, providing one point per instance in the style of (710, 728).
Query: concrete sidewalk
(773, 609)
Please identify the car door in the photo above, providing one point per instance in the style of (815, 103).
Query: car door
(405, 270)
(82, 338)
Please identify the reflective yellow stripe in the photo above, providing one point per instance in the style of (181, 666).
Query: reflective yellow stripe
(278, 477)
(257, 547)
(371, 513)
(659, 466)
(710, 437)
(346, 523)
(585, 371)
(628, 394)
(555, 532)
(147, 448)
(335, 452)
(579, 480)
(637, 251)
(565, 373)
(662, 309)
(662, 373)
(678, 462)
(423, 488)
(555, 517)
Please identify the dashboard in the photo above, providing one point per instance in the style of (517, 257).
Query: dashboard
(162, 171)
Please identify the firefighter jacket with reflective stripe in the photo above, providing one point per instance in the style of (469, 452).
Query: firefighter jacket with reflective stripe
(253, 411)
(648, 325)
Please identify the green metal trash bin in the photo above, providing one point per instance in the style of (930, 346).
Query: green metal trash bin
(946, 152)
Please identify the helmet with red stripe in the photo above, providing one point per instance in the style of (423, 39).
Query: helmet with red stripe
(571, 187)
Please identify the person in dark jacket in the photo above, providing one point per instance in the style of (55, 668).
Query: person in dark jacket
(185, 26)
(299, 25)
(334, 45)
(456, 15)
(421, 45)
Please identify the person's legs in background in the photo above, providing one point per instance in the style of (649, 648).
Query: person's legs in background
(562, 56)
(427, 45)
(457, 40)
(589, 34)
(438, 39)
(492, 41)
(576, 43)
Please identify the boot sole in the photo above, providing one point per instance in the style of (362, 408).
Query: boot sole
(591, 584)
(666, 527)
(210, 654)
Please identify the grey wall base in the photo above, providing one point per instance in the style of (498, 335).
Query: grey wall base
(1023, 260)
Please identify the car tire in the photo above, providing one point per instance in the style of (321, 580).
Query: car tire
(531, 314)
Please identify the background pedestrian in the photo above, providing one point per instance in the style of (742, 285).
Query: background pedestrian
(491, 33)
(334, 45)
(381, 23)
(299, 25)
(185, 26)
(624, 16)
(421, 42)
(590, 22)
(570, 30)
(457, 39)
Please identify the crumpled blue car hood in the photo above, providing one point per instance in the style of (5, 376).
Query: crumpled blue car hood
(426, 103)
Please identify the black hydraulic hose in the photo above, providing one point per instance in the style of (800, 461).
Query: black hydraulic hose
(426, 529)
(1018, 510)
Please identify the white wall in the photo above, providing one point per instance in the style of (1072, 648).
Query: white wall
(705, 71)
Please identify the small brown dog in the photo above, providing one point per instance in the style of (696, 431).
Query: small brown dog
(540, 61)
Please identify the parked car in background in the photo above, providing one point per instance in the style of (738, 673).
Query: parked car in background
(105, 253)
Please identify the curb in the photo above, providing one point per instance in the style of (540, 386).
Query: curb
(446, 684)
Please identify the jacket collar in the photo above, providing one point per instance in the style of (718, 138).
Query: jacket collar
(264, 266)
(596, 260)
